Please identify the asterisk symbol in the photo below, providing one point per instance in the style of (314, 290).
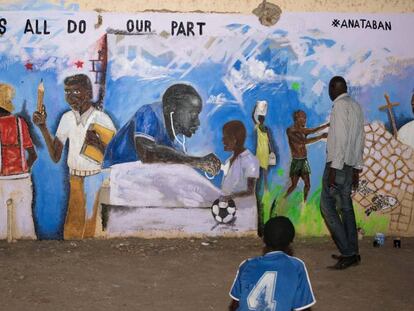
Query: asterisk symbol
(335, 22)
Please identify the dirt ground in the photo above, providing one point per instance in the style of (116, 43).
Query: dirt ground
(188, 274)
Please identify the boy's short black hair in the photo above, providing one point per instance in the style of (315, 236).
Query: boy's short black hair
(279, 232)
(237, 129)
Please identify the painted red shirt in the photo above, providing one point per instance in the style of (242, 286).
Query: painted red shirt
(12, 147)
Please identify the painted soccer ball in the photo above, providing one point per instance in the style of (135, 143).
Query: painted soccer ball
(223, 211)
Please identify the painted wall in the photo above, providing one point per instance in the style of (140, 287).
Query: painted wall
(232, 64)
(233, 6)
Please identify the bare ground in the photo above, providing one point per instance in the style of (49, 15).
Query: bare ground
(188, 274)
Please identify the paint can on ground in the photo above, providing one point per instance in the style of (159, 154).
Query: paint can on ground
(397, 242)
(379, 239)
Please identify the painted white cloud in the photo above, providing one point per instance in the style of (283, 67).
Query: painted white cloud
(258, 71)
(219, 99)
(251, 73)
(138, 67)
(350, 60)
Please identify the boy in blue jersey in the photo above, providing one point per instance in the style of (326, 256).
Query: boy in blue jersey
(274, 281)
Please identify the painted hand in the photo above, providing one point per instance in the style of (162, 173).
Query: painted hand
(226, 198)
(39, 118)
(92, 138)
(209, 164)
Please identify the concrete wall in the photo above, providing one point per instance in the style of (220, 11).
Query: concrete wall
(240, 6)
(50, 204)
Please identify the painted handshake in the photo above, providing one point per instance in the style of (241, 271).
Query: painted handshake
(209, 164)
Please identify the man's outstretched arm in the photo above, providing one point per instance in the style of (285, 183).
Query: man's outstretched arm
(316, 138)
(297, 137)
(308, 131)
(151, 152)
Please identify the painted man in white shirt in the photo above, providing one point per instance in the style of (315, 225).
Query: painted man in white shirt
(345, 148)
(241, 173)
(406, 132)
(85, 174)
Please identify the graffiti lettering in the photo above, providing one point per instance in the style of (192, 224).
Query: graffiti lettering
(3, 23)
(138, 25)
(37, 29)
(73, 26)
(362, 23)
(187, 29)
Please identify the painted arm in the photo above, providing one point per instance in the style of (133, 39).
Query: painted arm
(296, 137)
(32, 156)
(54, 146)
(308, 131)
(251, 186)
(254, 120)
(151, 152)
(316, 138)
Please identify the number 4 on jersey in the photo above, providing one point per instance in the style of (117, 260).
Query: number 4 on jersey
(261, 296)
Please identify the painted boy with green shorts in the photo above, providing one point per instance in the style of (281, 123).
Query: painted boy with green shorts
(297, 136)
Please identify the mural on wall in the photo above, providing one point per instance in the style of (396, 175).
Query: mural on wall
(161, 124)
(298, 139)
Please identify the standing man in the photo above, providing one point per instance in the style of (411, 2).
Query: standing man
(297, 136)
(16, 189)
(85, 173)
(157, 132)
(344, 164)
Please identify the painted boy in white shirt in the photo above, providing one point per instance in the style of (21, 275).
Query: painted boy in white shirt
(242, 172)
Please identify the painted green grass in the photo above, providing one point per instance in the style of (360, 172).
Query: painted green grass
(307, 217)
